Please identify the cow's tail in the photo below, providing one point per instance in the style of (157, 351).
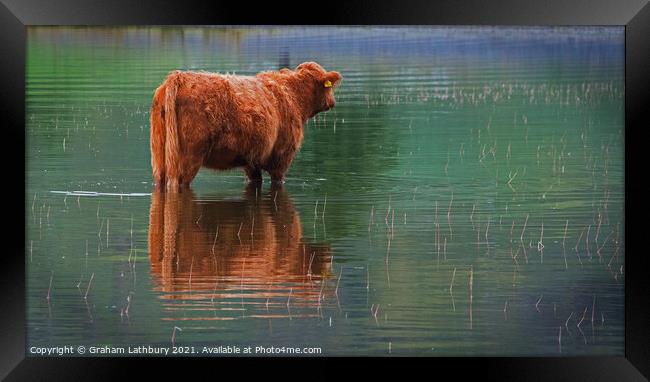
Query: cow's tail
(157, 136)
(172, 147)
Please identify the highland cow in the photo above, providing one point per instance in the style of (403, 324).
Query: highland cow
(201, 119)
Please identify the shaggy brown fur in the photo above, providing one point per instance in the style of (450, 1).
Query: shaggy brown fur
(201, 119)
(184, 245)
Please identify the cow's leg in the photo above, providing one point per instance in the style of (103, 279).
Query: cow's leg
(277, 175)
(189, 166)
(277, 178)
(254, 174)
(279, 168)
(190, 172)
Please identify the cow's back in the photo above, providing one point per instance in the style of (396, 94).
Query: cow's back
(236, 115)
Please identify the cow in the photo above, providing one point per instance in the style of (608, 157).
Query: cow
(203, 119)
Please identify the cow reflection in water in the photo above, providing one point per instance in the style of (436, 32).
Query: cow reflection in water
(224, 259)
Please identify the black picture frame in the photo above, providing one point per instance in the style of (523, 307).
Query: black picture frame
(15, 15)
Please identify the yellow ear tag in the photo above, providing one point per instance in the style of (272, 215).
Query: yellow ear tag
(328, 84)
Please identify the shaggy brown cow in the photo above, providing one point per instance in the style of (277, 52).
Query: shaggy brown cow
(224, 121)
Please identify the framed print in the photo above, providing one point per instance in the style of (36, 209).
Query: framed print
(446, 182)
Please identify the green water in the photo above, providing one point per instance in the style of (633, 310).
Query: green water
(464, 197)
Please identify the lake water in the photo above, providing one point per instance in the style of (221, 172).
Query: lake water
(464, 197)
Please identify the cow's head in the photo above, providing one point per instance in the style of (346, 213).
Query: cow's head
(322, 82)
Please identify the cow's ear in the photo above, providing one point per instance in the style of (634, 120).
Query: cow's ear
(331, 79)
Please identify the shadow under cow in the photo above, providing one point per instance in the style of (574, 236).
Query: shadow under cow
(227, 259)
